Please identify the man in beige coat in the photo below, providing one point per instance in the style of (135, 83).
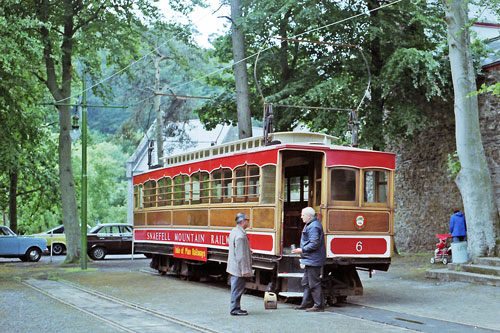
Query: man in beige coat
(239, 262)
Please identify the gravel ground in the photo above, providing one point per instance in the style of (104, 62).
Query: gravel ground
(403, 289)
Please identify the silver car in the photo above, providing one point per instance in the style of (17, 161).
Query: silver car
(24, 248)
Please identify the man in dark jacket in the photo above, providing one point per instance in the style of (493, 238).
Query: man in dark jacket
(458, 227)
(313, 255)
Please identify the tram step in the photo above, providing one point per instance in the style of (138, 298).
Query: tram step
(291, 294)
(290, 275)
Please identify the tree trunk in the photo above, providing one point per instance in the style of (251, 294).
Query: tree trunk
(13, 176)
(473, 180)
(63, 93)
(240, 74)
(67, 186)
(159, 115)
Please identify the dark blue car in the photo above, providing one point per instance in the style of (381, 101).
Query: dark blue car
(24, 248)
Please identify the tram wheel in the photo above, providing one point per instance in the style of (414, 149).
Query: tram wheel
(341, 299)
(331, 300)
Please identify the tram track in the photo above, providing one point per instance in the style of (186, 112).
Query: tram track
(88, 298)
(396, 319)
(403, 320)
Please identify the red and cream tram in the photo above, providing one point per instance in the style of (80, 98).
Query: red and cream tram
(184, 212)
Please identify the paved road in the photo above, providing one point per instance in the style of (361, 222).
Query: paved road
(399, 300)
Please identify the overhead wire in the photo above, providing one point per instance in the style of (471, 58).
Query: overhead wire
(227, 66)
(130, 65)
(269, 47)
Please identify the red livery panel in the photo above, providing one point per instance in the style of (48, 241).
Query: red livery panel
(258, 241)
(358, 246)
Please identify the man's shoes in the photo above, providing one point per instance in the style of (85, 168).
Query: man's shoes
(239, 313)
(315, 309)
(302, 307)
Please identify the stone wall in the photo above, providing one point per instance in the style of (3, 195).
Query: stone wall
(489, 117)
(425, 194)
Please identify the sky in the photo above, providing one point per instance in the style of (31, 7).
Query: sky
(205, 21)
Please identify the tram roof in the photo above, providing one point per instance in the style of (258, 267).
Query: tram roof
(230, 155)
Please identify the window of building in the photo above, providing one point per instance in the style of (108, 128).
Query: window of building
(344, 184)
(375, 186)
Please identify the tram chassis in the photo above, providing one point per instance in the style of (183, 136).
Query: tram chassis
(340, 277)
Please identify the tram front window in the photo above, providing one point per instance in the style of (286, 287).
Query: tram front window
(343, 182)
(375, 186)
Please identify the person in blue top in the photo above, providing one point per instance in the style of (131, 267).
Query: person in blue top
(313, 254)
(458, 227)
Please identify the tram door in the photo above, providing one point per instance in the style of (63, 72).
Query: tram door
(299, 191)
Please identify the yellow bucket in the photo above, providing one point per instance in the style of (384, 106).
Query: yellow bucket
(270, 300)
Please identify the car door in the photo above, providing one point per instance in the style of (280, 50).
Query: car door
(9, 243)
(110, 238)
(126, 245)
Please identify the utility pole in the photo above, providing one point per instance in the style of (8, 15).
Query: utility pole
(84, 106)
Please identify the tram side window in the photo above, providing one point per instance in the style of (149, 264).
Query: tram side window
(205, 187)
(343, 184)
(150, 194)
(216, 186)
(195, 180)
(375, 186)
(246, 183)
(187, 189)
(253, 183)
(165, 191)
(227, 184)
(136, 197)
(141, 197)
(240, 183)
(268, 193)
(179, 189)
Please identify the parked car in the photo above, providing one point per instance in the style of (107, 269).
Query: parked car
(25, 248)
(57, 237)
(109, 238)
(54, 236)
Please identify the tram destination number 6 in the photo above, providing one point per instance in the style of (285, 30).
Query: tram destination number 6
(359, 246)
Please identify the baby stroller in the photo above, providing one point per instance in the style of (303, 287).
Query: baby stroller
(442, 251)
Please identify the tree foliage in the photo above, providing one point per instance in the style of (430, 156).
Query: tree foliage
(402, 43)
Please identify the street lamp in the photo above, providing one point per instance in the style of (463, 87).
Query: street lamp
(75, 131)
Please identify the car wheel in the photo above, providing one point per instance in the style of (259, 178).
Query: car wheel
(98, 253)
(58, 249)
(33, 254)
